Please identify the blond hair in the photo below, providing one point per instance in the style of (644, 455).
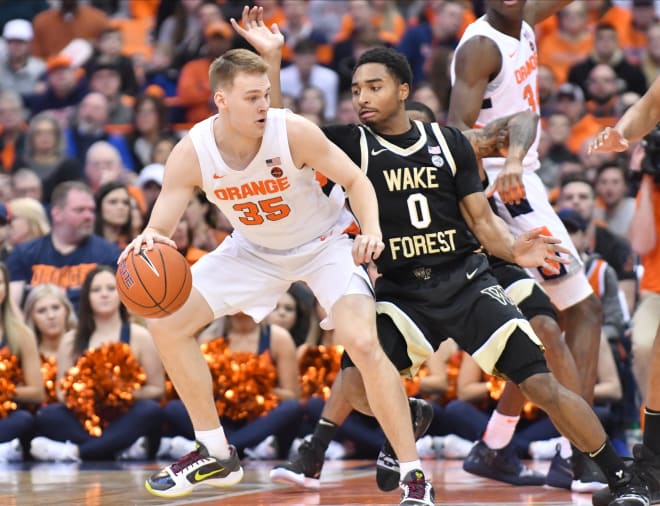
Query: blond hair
(33, 212)
(225, 68)
(44, 290)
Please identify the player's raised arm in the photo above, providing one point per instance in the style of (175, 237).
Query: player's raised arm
(311, 147)
(267, 41)
(636, 122)
(182, 175)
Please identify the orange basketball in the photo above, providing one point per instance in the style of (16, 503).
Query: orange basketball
(154, 283)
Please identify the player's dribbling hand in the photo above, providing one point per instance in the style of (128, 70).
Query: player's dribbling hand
(146, 238)
(366, 248)
(509, 183)
(607, 140)
(252, 28)
(535, 249)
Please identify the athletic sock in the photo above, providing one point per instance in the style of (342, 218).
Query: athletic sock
(325, 432)
(652, 430)
(565, 448)
(609, 462)
(215, 442)
(406, 467)
(499, 431)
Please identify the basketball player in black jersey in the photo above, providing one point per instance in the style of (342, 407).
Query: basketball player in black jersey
(432, 284)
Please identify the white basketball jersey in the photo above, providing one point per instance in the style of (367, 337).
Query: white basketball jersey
(514, 89)
(271, 203)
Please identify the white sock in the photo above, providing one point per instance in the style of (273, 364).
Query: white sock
(215, 442)
(565, 450)
(406, 467)
(499, 430)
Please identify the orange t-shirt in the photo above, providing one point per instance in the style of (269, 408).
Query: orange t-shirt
(586, 127)
(561, 54)
(651, 261)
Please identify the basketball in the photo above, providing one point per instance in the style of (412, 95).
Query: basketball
(154, 283)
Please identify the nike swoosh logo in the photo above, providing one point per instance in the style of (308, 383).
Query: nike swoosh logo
(218, 176)
(470, 275)
(374, 152)
(202, 476)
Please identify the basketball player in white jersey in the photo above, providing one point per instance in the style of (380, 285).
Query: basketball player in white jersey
(255, 164)
(494, 73)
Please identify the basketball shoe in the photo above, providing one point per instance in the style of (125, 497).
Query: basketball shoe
(303, 470)
(387, 465)
(415, 489)
(647, 465)
(577, 473)
(502, 465)
(195, 468)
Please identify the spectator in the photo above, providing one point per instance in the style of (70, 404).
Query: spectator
(113, 214)
(327, 15)
(421, 41)
(293, 312)
(5, 244)
(89, 127)
(64, 90)
(547, 89)
(299, 27)
(107, 51)
(21, 343)
(178, 33)
(57, 27)
(306, 71)
(382, 15)
(616, 209)
(102, 319)
(183, 238)
(607, 50)
(138, 220)
(576, 192)
(201, 218)
(45, 154)
(149, 125)
(106, 79)
(162, 149)
(150, 181)
(345, 111)
(571, 43)
(12, 130)
(601, 275)
(207, 13)
(20, 71)
(26, 183)
(28, 220)
(6, 188)
(69, 252)
(643, 234)
(50, 315)
(311, 104)
(557, 130)
(603, 87)
(193, 88)
(425, 94)
(650, 62)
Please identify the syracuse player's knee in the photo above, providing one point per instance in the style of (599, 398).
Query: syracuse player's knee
(363, 348)
(542, 389)
(181, 325)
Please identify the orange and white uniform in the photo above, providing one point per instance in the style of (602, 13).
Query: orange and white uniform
(515, 89)
(286, 228)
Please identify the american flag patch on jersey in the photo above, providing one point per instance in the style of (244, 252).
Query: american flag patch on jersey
(273, 161)
(434, 150)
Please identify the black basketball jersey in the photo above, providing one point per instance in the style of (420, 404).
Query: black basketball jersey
(419, 177)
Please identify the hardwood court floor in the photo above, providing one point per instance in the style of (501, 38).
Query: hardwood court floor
(343, 483)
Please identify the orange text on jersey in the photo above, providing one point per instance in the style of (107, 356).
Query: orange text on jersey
(253, 188)
(524, 71)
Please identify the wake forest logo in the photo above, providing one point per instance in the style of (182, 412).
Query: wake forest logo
(497, 293)
(412, 178)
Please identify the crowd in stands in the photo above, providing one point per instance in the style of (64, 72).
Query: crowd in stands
(95, 94)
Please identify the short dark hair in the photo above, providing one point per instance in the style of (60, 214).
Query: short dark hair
(413, 105)
(612, 165)
(396, 63)
(60, 194)
(576, 178)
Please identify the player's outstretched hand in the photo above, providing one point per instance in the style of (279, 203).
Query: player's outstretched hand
(146, 238)
(509, 183)
(535, 249)
(252, 28)
(366, 248)
(608, 140)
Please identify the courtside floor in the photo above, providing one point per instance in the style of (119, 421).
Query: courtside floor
(343, 483)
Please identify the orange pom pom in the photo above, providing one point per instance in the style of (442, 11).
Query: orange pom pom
(318, 368)
(99, 388)
(10, 376)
